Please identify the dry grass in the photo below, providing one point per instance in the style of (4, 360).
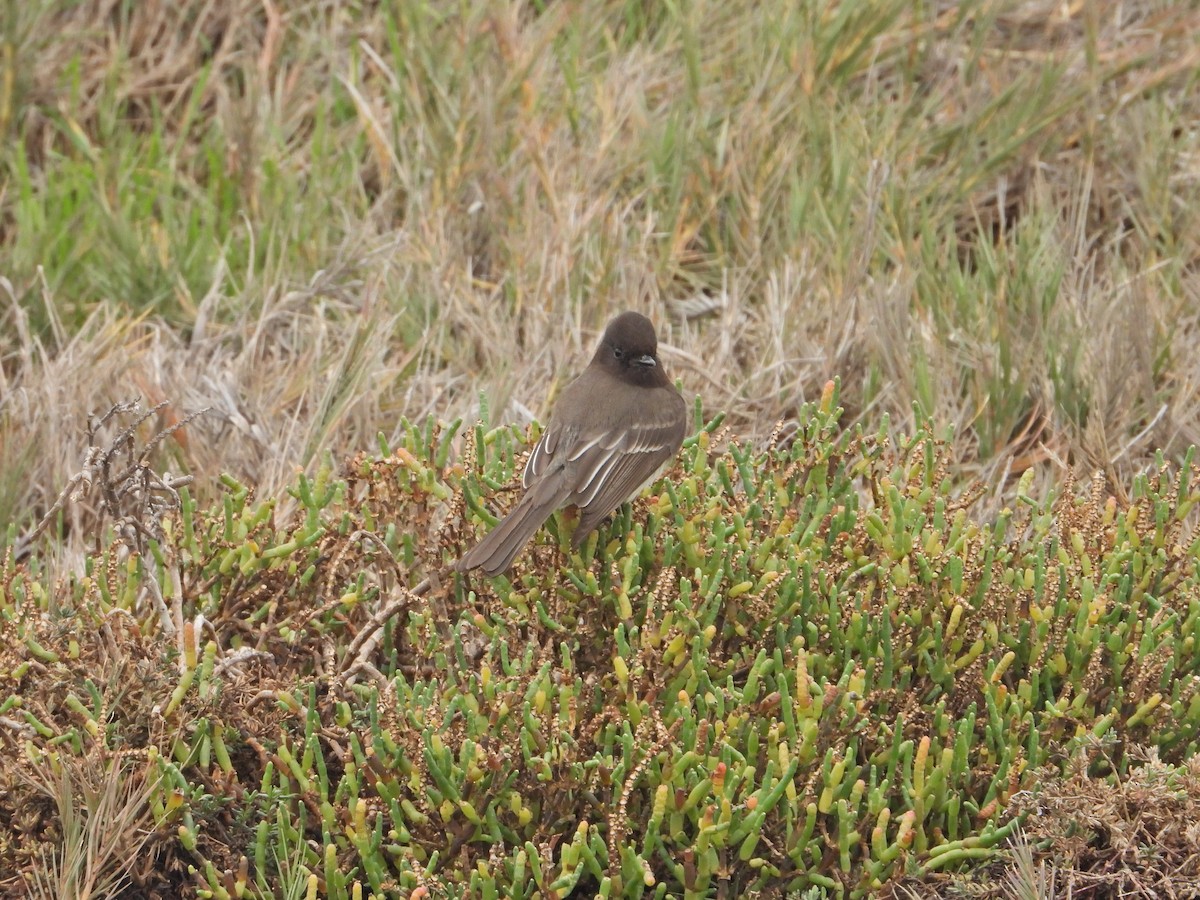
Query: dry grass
(315, 220)
(1139, 840)
(102, 830)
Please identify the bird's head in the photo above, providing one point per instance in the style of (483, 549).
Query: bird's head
(629, 349)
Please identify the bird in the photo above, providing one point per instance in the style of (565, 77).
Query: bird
(611, 432)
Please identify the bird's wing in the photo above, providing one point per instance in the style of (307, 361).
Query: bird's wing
(603, 453)
(571, 430)
(545, 452)
(616, 466)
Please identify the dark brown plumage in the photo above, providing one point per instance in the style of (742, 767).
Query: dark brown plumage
(611, 432)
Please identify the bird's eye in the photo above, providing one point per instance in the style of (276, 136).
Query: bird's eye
(618, 353)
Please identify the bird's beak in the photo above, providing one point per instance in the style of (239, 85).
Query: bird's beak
(646, 360)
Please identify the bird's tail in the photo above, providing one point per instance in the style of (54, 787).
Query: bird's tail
(495, 553)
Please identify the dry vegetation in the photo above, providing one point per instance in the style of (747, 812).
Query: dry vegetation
(311, 219)
(314, 218)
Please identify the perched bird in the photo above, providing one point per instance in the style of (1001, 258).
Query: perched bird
(613, 429)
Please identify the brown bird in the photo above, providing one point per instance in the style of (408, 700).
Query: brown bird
(613, 429)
